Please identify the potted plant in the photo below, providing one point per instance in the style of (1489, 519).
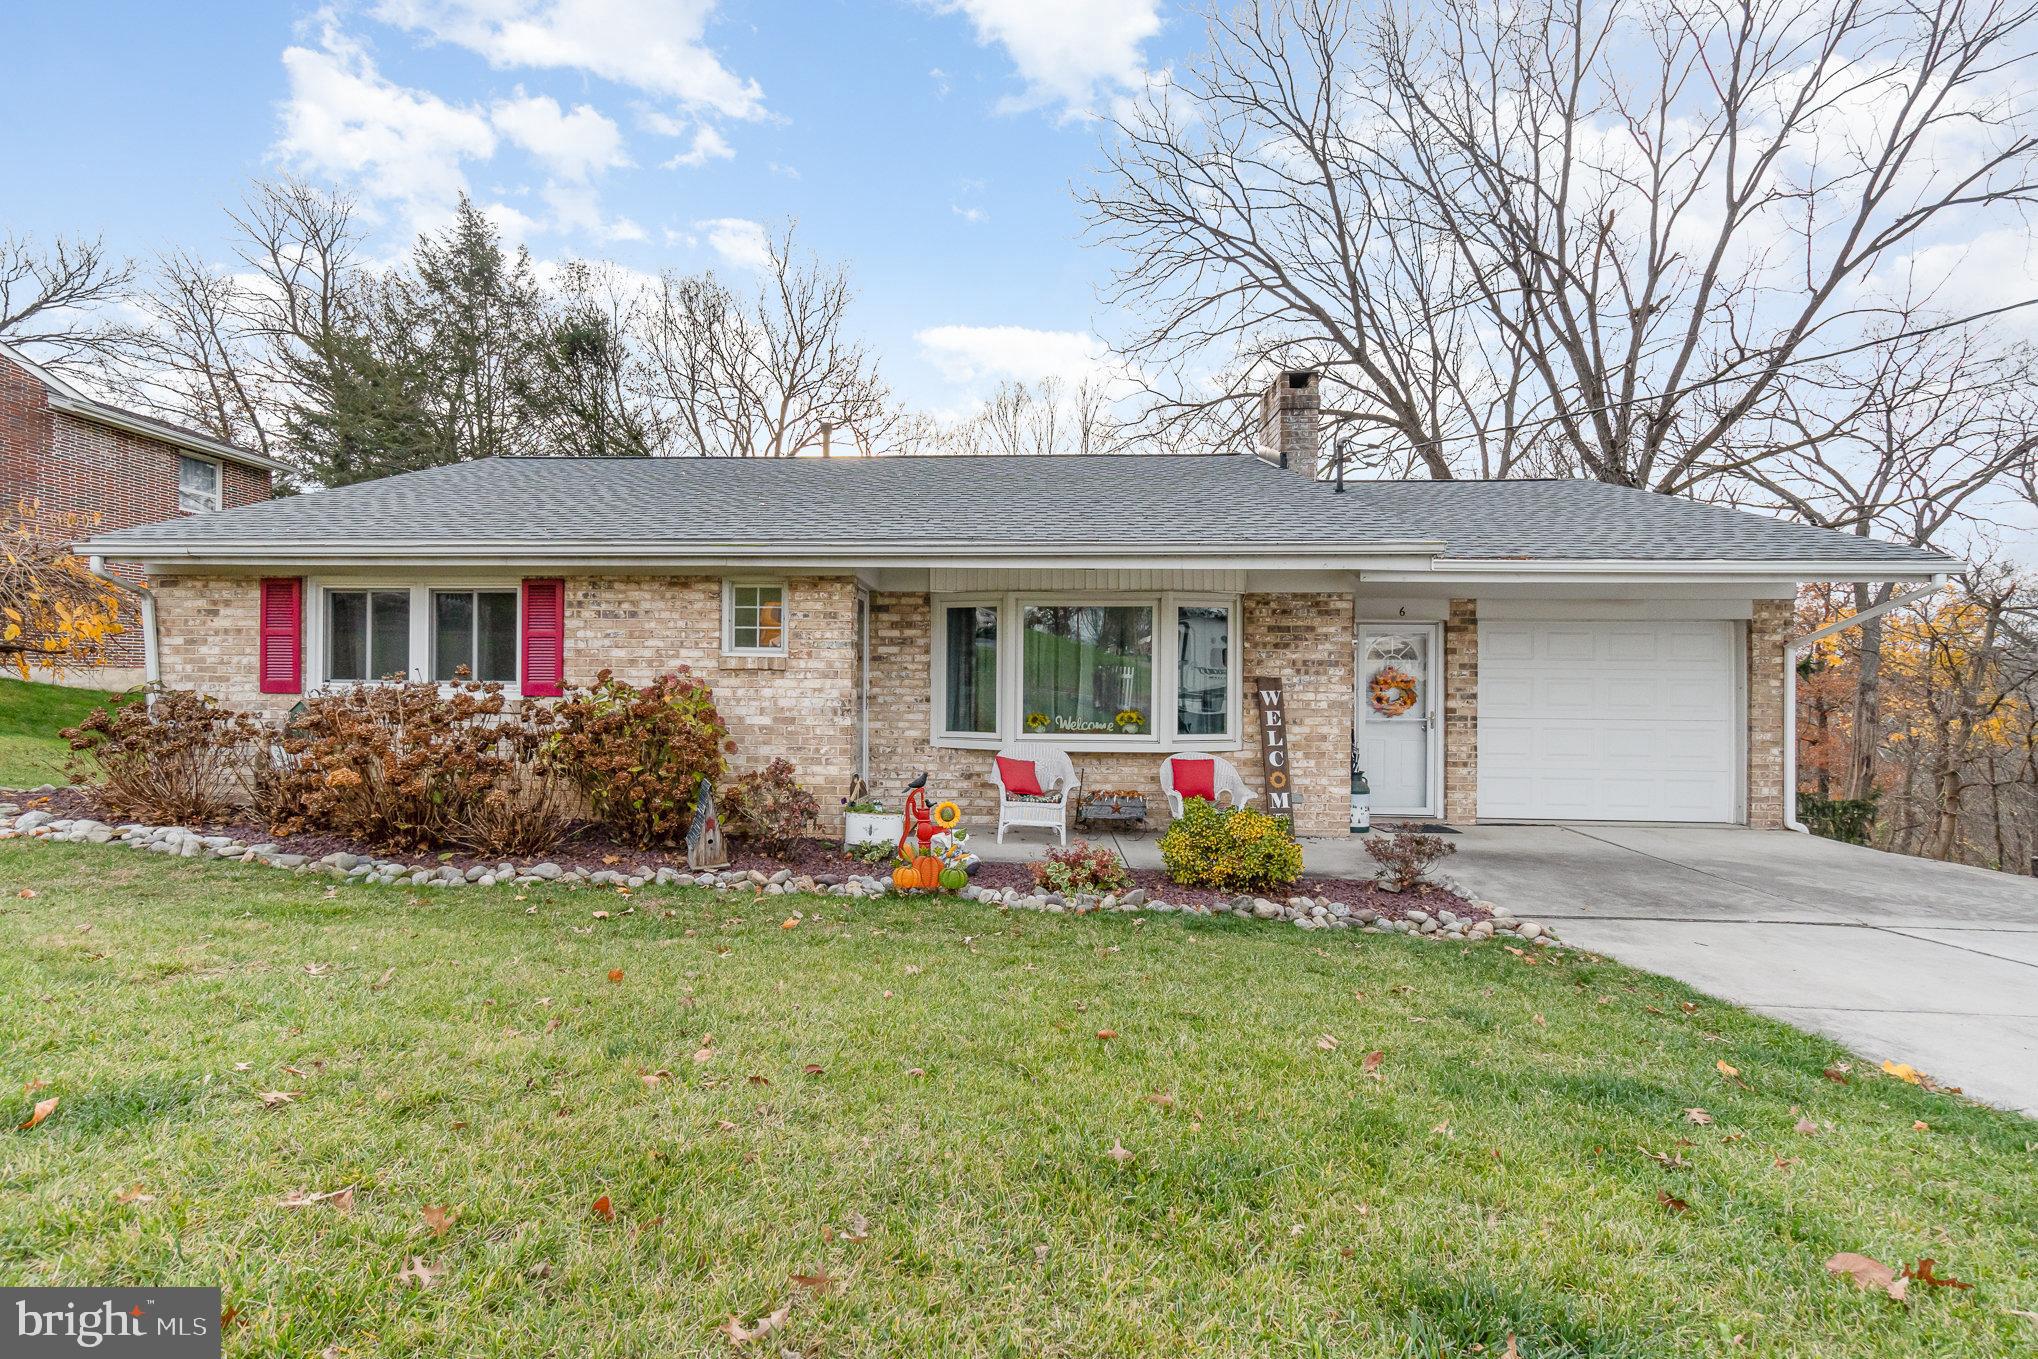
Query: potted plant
(1131, 721)
(868, 823)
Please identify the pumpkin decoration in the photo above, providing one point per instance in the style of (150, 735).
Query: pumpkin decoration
(905, 877)
(953, 879)
(927, 868)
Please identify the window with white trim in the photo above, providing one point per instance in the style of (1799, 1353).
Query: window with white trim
(474, 630)
(197, 484)
(367, 635)
(1091, 672)
(753, 618)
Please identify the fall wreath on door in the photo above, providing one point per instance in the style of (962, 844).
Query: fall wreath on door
(1392, 691)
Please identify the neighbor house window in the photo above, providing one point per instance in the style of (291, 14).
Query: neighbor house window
(1202, 670)
(754, 618)
(475, 630)
(197, 485)
(367, 634)
(970, 669)
(1087, 669)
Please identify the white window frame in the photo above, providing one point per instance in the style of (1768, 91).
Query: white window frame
(785, 615)
(1160, 736)
(218, 483)
(320, 590)
(432, 631)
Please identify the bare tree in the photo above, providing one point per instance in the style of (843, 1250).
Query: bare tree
(1581, 236)
(1051, 416)
(759, 374)
(54, 298)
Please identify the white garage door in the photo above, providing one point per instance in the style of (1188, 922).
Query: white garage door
(1604, 721)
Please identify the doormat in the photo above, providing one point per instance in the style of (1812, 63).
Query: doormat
(1415, 827)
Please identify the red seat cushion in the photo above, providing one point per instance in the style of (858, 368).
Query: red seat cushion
(1019, 776)
(1196, 778)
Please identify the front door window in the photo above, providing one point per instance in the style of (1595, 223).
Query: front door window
(1395, 707)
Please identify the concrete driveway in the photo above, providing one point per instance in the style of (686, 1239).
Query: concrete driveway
(1898, 958)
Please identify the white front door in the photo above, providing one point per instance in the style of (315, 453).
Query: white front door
(1397, 716)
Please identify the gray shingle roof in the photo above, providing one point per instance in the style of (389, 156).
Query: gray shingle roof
(637, 504)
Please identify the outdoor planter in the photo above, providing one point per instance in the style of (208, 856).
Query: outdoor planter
(872, 828)
(1123, 809)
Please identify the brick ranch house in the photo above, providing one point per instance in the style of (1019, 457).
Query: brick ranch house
(69, 453)
(1576, 651)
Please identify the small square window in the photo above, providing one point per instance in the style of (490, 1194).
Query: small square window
(197, 485)
(756, 618)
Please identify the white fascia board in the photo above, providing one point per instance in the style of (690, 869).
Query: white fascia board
(1473, 571)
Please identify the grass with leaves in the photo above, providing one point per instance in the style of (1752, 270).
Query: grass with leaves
(969, 1132)
(31, 715)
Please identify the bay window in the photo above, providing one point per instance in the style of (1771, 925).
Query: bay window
(1100, 672)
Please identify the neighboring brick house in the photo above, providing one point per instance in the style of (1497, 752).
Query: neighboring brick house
(1492, 650)
(68, 453)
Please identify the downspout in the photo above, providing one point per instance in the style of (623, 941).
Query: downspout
(1791, 648)
(152, 665)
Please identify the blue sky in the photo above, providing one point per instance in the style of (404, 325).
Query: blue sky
(929, 143)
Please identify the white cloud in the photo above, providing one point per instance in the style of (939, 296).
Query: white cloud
(345, 121)
(971, 215)
(573, 146)
(577, 207)
(968, 354)
(1069, 52)
(650, 45)
(708, 145)
(742, 243)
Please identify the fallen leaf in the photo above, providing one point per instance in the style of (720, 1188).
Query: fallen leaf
(1669, 1160)
(1510, 1352)
(704, 1054)
(724, 1125)
(420, 1273)
(1698, 1116)
(615, 974)
(1921, 1126)
(438, 1218)
(2031, 1317)
(759, 1080)
(1040, 1258)
(1672, 1202)
(382, 981)
(917, 1073)
(1164, 1100)
(1869, 1273)
(43, 1109)
(1540, 1022)
(815, 1283)
(813, 1069)
(1443, 1128)
(244, 1066)
(1904, 1071)
(133, 1194)
(1118, 1152)
(739, 1334)
(601, 915)
(858, 1228)
(1806, 1127)
(1326, 1042)
(790, 922)
(341, 1199)
(27, 894)
(276, 1099)
(1107, 1034)
(1922, 1272)
(605, 1210)
(1729, 1072)
(651, 1078)
(1371, 1061)
(317, 969)
(1838, 1074)
(541, 1270)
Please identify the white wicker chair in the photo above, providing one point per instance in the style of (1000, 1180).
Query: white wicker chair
(1057, 777)
(1224, 779)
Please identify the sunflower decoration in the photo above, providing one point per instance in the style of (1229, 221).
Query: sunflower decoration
(1130, 719)
(1036, 721)
(947, 815)
(1392, 691)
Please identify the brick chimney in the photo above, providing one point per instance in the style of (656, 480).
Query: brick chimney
(1289, 427)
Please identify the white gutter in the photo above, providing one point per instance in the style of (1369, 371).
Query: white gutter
(1791, 648)
(152, 664)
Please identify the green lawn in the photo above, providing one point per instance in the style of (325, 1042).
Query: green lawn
(915, 1099)
(31, 715)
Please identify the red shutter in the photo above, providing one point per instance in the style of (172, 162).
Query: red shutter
(281, 632)
(544, 673)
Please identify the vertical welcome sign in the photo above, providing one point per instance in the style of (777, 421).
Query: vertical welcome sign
(1274, 746)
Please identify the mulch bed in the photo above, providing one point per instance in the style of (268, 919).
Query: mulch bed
(589, 850)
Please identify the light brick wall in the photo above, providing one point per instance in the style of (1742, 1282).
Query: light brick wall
(800, 705)
(1768, 628)
(1461, 713)
(1306, 639)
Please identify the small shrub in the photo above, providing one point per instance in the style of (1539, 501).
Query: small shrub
(1405, 857)
(177, 757)
(767, 809)
(1081, 868)
(875, 852)
(639, 754)
(1235, 849)
(407, 767)
(1849, 820)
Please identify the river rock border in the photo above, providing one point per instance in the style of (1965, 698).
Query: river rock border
(1308, 913)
